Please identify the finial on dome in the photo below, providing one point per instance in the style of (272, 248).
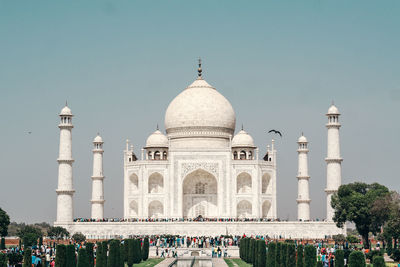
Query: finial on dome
(302, 134)
(242, 126)
(157, 127)
(199, 70)
(66, 103)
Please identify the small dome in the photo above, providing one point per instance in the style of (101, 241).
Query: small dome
(157, 139)
(98, 139)
(200, 106)
(242, 139)
(302, 139)
(66, 111)
(333, 110)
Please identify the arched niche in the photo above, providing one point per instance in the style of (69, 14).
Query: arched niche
(133, 183)
(266, 178)
(243, 183)
(156, 209)
(266, 206)
(244, 209)
(133, 208)
(156, 183)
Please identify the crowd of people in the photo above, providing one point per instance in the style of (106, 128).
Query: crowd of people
(198, 219)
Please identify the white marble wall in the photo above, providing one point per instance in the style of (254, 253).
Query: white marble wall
(298, 230)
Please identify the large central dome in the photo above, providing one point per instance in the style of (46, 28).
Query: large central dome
(200, 110)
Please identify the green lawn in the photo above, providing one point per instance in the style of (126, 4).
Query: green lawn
(149, 263)
(236, 263)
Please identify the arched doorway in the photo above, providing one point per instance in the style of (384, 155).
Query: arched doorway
(266, 206)
(244, 209)
(156, 209)
(200, 195)
(243, 183)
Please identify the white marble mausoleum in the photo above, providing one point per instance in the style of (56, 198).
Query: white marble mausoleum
(198, 168)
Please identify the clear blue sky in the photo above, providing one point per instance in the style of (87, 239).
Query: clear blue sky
(120, 63)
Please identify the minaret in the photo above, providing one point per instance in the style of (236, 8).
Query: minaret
(303, 196)
(65, 190)
(333, 159)
(97, 179)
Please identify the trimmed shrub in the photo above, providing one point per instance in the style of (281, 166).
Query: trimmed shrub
(310, 256)
(83, 260)
(261, 253)
(126, 250)
(99, 255)
(89, 251)
(61, 256)
(339, 258)
(131, 252)
(145, 249)
(137, 256)
(356, 259)
(373, 253)
(283, 254)
(104, 247)
(3, 243)
(113, 256)
(278, 254)
(122, 254)
(300, 256)
(378, 261)
(291, 255)
(70, 257)
(251, 251)
(319, 264)
(271, 255)
(3, 260)
(395, 254)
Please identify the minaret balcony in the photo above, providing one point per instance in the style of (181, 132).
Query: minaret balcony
(332, 160)
(65, 191)
(65, 160)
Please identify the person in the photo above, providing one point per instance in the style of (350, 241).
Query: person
(47, 259)
(157, 251)
(52, 263)
(219, 252)
(225, 252)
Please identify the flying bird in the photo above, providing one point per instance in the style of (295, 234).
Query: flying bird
(275, 132)
(29, 132)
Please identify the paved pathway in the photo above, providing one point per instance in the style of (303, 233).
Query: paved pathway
(166, 262)
(219, 262)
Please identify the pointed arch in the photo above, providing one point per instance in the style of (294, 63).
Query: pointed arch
(133, 208)
(133, 183)
(266, 206)
(155, 183)
(244, 209)
(156, 209)
(243, 183)
(265, 188)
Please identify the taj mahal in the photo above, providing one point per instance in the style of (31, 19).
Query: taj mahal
(198, 177)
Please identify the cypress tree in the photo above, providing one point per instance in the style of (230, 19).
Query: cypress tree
(145, 249)
(122, 254)
(271, 255)
(300, 256)
(3, 243)
(131, 252)
(70, 258)
(104, 247)
(89, 251)
(283, 254)
(356, 259)
(278, 254)
(291, 255)
(137, 256)
(126, 250)
(339, 258)
(379, 261)
(61, 256)
(310, 256)
(261, 253)
(99, 256)
(251, 251)
(40, 241)
(83, 260)
(241, 249)
(113, 256)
